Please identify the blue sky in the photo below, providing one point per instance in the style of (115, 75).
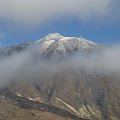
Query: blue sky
(100, 24)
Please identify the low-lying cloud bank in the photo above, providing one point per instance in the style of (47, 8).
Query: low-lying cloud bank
(105, 61)
(26, 64)
(39, 11)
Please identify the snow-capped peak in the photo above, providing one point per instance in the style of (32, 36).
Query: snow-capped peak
(51, 36)
(54, 36)
(55, 43)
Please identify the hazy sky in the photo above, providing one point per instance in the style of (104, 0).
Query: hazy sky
(29, 20)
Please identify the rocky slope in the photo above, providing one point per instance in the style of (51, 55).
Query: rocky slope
(12, 112)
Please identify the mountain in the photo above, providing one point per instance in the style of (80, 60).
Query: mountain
(56, 44)
(53, 44)
(55, 86)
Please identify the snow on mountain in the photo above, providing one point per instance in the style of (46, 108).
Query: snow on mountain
(52, 44)
(55, 43)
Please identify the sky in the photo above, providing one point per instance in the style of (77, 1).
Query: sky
(29, 20)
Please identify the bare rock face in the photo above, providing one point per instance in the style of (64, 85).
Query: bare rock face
(84, 95)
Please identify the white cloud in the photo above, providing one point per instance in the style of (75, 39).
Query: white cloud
(39, 11)
(28, 64)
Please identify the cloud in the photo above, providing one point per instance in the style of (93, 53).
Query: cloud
(29, 65)
(104, 61)
(39, 11)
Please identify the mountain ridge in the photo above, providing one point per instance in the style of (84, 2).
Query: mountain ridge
(52, 44)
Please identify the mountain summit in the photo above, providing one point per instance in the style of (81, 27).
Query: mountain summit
(54, 43)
